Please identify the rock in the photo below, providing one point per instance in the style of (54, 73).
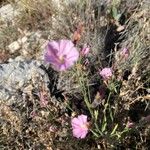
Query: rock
(13, 47)
(23, 40)
(7, 12)
(19, 76)
(32, 44)
(10, 60)
(19, 58)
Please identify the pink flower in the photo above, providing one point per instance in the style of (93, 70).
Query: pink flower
(106, 73)
(80, 126)
(33, 114)
(61, 54)
(130, 124)
(85, 50)
(125, 53)
(52, 128)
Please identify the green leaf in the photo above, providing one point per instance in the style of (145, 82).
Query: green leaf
(114, 130)
(118, 16)
(96, 114)
(114, 12)
(104, 126)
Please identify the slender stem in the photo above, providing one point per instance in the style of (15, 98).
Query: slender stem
(82, 84)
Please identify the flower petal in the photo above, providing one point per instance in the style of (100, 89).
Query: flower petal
(83, 119)
(51, 52)
(106, 73)
(77, 133)
(65, 46)
(73, 54)
(53, 46)
(83, 134)
(75, 122)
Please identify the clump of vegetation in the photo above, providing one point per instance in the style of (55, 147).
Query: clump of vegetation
(99, 85)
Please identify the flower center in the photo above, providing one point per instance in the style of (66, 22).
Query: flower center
(62, 59)
(84, 126)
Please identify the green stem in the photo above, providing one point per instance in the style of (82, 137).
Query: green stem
(82, 84)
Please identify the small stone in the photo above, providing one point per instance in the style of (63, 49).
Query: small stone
(120, 28)
(13, 47)
(24, 52)
(38, 34)
(7, 12)
(148, 90)
(28, 89)
(21, 83)
(10, 60)
(23, 40)
(19, 58)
